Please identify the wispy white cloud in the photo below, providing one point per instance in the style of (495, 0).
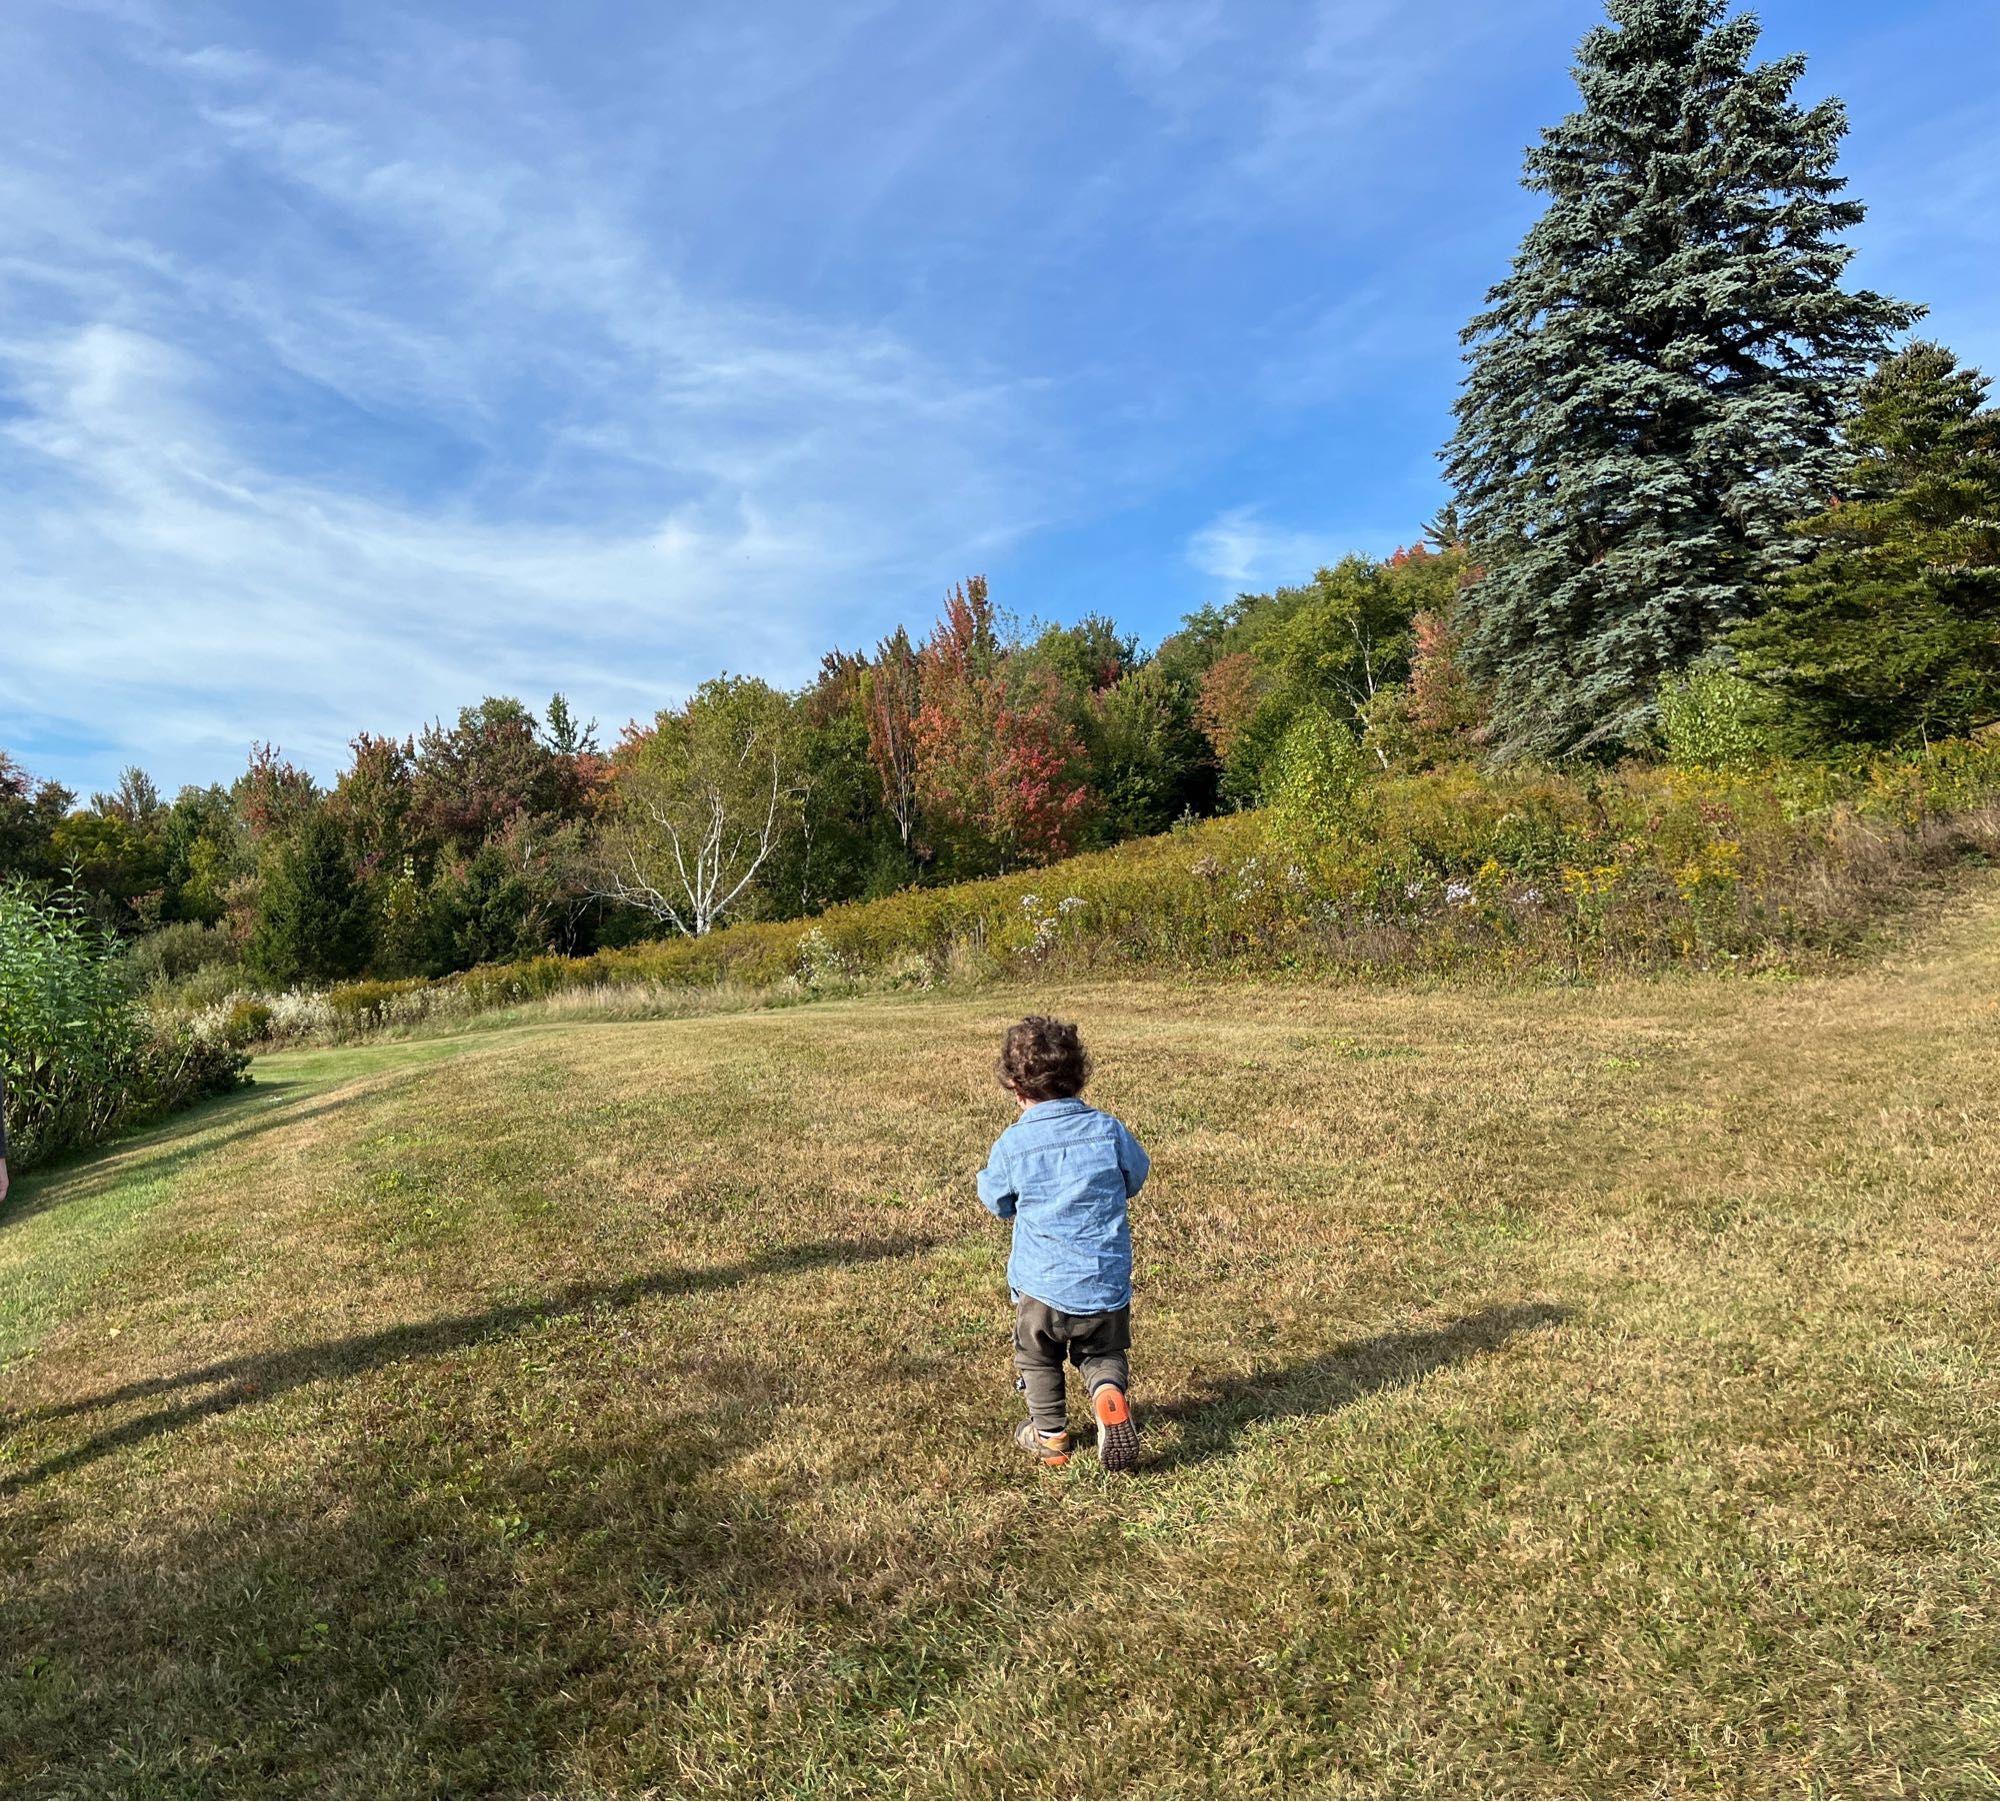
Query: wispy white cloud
(174, 569)
(1248, 553)
(1152, 43)
(641, 482)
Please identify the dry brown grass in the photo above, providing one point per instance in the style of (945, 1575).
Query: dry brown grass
(1556, 1391)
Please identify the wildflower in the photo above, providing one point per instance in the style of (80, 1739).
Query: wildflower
(1459, 894)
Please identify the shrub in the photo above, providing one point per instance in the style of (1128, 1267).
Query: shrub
(370, 1003)
(207, 987)
(67, 1030)
(245, 1021)
(1711, 718)
(1313, 780)
(1519, 869)
(80, 1063)
(179, 1067)
(176, 952)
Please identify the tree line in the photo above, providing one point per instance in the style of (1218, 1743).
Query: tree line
(981, 747)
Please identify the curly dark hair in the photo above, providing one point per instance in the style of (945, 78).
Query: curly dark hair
(1043, 1059)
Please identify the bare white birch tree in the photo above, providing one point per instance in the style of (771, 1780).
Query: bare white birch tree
(704, 801)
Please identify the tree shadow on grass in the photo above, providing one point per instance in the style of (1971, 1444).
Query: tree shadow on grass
(233, 1383)
(1212, 1418)
(431, 1614)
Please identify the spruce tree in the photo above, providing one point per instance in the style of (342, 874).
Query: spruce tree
(1656, 387)
(312, 916)
(1891, 632)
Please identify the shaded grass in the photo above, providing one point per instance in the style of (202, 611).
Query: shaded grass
(1572, 1391)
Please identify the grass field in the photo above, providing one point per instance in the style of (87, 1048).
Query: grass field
(1553, 1390)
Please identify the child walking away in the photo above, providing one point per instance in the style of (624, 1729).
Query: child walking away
(1063, 1173)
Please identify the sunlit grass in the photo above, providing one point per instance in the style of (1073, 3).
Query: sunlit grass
(1546, 1391)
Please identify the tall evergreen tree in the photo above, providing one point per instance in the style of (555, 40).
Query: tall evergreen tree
(1655, 389)
(1891, 633)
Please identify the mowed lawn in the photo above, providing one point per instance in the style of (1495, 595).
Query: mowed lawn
(1554, 1390)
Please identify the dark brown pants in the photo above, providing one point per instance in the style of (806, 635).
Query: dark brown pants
(1044, 1337)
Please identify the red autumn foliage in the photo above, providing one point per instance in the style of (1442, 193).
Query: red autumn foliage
(1443, 695)
(273, 794)
(1230, 690)
(995, 760)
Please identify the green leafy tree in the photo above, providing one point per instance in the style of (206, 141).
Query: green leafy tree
(205, 845)
(1343, 637)
(119, 862)
(1341, 644)
(1655, 390)
(1313, 780)
(1088, 658)
(313, 922)
(1149, 762)
(30, 812)
(848, 844)
(706, 797)
(1891, 633)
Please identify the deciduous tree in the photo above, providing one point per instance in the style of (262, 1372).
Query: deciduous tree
(705, 797)
(999, 770)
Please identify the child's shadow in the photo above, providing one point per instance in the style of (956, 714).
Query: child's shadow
(1211, 1418)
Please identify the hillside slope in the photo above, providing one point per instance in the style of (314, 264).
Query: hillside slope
(1573, 1391)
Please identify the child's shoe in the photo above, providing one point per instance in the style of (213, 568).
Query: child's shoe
(1050, 1448)
(1117, 1437)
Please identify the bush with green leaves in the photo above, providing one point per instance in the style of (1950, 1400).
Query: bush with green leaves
(177, 951)
(1314, 779)
(1712, 719)
(1524, 869)
(80, 1060)
(67, 1030)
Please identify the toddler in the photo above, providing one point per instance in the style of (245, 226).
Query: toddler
(1063, 1173)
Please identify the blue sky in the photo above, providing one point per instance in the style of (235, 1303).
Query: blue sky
(360, 360)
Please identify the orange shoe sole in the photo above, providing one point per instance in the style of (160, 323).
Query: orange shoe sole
(1117, 1437)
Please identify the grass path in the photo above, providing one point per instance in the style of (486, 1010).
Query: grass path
(1573, 1391)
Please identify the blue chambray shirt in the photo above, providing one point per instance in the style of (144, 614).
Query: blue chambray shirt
(1063, 1173)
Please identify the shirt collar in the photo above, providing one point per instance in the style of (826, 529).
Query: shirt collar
(1062, 1104)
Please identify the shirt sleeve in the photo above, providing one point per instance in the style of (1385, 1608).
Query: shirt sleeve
(1132, 1159)
(996, 1183)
